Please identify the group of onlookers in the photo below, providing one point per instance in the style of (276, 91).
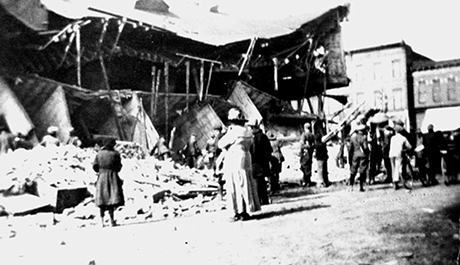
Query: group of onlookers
(249, 159)
(241, 155)
(312, 146)
(392, 150)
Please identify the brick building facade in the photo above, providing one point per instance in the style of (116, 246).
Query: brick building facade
(437, 94)
(381, 78)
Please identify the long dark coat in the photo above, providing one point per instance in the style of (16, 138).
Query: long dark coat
(109, 190)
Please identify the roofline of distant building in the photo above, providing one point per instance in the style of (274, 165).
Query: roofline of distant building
(379, 47)
(390, 46)
(429, 65)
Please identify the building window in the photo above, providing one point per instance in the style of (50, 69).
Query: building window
(359, 98)
(378, 73)
(451, 88)
(378, 103)
(436, 90)
(396, 68)
(422, 92)
(358, 72)
(397, 98)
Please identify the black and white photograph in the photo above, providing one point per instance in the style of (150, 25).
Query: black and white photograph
(229, 132)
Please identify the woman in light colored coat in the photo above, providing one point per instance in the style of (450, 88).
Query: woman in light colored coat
(240, 185)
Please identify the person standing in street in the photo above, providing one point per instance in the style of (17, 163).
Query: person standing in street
(161, 150)
(321, 159)
(212, 149)
(388, 133)
(109, 186)
(240, 185)
(399, 145)
(261, 153)
(358, 156)
(191, 152)
(276, 163)
(307, 147)
(433, 154)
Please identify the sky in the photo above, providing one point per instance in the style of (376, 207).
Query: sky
(429, 27)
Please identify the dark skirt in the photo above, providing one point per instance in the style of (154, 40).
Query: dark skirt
(109, 189)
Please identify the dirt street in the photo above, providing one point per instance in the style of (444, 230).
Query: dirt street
(336, 226)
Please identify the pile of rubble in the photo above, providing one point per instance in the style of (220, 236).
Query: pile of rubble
(153, 189)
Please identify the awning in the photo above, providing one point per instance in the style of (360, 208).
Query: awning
(443, 119)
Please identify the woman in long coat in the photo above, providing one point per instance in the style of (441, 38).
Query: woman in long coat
(109, 192)
(240, 184)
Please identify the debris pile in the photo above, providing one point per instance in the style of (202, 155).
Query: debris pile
(153, 189)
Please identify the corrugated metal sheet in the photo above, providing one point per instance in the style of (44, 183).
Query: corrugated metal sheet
(54, 112)
(136, 125)
(199, 120)
(240, 98)
(13, 112)
(45, 103)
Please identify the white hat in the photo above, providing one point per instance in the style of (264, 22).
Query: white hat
(360, 127)
(235, 114)
(52, 129)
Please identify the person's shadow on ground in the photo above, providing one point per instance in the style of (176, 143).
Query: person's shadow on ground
(285, 211)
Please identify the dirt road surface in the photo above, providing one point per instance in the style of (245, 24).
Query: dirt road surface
(334, 226)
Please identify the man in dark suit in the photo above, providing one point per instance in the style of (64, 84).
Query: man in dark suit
(358, 156)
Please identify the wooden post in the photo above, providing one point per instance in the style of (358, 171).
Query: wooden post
(67, 48)
(275, 72)
(187, 82)
(209, 81)
(324, 104)
(310, 106)
(152, 98)
(166, 98)
(157, 89)
(201, 80)
(77, 42)
(112, 101)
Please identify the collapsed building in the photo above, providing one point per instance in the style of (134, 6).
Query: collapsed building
(141, 71)
(134, 73)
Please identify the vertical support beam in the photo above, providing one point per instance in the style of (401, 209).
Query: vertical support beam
(310, 106)
(166, 98)
(275, 73)
(157, 89)
(78, 46)
(187, 82)
(113, 103)
(67, 48)
(153, 96)
(209, 80)
(201, 80)
(324, 104)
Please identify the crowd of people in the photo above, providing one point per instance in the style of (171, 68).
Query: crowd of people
(397, 154)
(241, 156)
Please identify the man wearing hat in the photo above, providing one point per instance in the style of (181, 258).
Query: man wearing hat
(358, 156)
(307, 146)
(388, 133)
(51, 138)
(191, 151)
(211, 148)
(261, 153)
(6, 140)
(276, 162)
(433, 154)
(398, 146)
